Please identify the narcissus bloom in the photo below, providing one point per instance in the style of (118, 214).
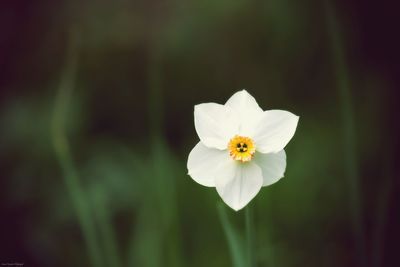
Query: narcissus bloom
(240, 148)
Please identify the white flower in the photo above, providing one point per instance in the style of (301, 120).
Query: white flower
(240, 148)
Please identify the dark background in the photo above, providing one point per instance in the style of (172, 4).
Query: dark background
(96, 122)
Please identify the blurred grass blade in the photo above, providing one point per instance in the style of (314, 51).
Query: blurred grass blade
(105, 226)
(155, 97)
(382, 208)
(235, 243)
(63, 155)
(347, 114)
(156, 231)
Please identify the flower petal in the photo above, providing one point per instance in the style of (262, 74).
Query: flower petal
(275, 130)
(238, 183)
(247, 109)
(272, 165)
(215, 124)
(203, 163)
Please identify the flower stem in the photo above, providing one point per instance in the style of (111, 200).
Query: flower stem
(235, 244)
(249, 236)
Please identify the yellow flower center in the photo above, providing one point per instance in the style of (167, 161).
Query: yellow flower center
(241, 148)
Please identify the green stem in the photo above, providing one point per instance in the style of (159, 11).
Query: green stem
(235, 243)
(249, 236)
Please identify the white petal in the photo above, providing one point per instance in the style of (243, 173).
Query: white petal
(203, 163)
(248, 111)
(272, 165)
(215, 124)
(275, 130)
(242, 100)
(238, 183)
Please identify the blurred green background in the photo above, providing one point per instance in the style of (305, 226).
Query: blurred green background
(96, 125)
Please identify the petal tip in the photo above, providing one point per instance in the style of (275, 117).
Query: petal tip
(245, 92)
(234, 207)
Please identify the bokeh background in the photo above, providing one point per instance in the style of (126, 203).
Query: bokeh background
(96, 122)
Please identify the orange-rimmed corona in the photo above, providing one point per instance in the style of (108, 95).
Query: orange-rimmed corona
(241, 148)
